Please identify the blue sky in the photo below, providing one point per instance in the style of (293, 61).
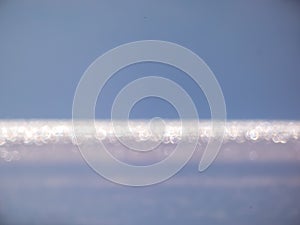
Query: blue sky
(253, 47)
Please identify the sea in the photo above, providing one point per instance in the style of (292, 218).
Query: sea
(46, 179)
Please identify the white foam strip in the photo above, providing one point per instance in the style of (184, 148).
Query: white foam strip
(41, 132)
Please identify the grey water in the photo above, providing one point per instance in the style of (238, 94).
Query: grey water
(255, 181)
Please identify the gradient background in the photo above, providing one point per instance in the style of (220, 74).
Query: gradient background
(253, 47)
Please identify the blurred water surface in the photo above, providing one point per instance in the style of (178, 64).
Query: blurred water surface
(255, 181)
